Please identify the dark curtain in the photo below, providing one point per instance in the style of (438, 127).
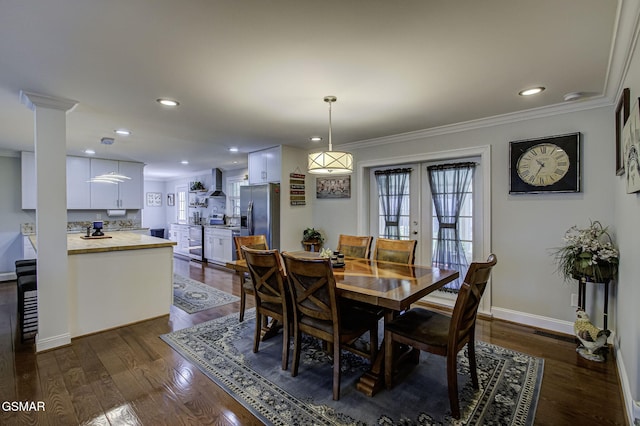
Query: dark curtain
(392, 185)
(449, 183)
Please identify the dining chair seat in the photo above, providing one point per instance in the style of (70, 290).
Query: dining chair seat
(442, 334)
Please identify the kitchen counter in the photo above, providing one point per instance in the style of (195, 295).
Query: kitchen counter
(118, 241)
(117, 281)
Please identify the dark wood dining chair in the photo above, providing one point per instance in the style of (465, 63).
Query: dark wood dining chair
(399, 251)
(271, 294)
(355, 246)
(258, 242)
(442, 334)
(316, 312)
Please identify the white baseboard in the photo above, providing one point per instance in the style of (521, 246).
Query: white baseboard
(53, 342)
(632, 407)
(532, 320)
(7, 276)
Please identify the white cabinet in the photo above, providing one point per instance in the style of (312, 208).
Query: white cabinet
(218, 245)
(208, 244)
(124, 195)
(180, 234)
(265, 165)
(78, 186)
(82, 195)
(28, 252)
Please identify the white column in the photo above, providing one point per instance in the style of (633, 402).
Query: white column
(51, 218)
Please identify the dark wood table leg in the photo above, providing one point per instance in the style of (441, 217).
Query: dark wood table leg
(606, 303)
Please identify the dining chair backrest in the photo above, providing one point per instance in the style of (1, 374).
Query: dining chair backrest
(267, 274)
(313, 292)
(257, 242)
(463, 318)
(399, 251)
(355, 245)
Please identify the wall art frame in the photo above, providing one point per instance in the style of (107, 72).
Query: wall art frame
(631, 143)
(333, 187)
(622, 115)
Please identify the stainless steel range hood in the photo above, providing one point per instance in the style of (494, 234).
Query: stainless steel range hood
(216, 184)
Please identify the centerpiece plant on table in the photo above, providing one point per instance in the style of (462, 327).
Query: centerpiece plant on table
(588, 253)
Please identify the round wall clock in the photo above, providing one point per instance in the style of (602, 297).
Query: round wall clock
(549, 164)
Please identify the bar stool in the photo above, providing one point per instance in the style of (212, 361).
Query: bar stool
(25, 262)
(27, 305)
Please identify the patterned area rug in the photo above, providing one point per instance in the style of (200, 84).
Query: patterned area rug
(222, 349)
(193, 296)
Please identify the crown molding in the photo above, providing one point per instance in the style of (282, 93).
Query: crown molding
(497, 120)
(33, 100)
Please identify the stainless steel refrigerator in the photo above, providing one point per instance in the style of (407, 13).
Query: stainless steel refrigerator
(260, 212)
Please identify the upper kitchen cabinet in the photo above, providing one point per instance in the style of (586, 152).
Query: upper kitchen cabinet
(265, 165)
(124, 195)
(78, 186)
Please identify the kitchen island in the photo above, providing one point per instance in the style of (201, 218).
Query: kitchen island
(117, 281)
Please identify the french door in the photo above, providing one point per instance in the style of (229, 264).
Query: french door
(418, 220)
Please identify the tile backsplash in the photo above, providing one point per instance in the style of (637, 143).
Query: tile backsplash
(81, 226)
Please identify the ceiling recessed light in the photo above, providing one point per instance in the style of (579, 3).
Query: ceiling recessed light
(315, 138)
(89, 151)
(168, 102)
(233, 149)
(184, 162)
(531, 91)
(123, 132)
(573, 96)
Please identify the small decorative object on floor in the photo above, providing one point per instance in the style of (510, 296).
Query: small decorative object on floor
(593, 340)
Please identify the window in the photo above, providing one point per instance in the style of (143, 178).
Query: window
(181, 204)
(233, 196)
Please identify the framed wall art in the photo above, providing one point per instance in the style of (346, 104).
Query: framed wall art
(154, 199)
(171, 199)
(550, 164)
(631, 143)
(333, 187)
(622, 115)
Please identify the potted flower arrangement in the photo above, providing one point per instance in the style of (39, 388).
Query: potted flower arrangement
(587, 254)
(312, 239)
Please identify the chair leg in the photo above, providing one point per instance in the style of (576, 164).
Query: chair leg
(243, 301)
(452, 382)
(296, 351)
(336, 371)
(285, 346)
(471, 348)
(256, 335)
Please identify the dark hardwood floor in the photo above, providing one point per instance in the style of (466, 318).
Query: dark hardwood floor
(128, 376)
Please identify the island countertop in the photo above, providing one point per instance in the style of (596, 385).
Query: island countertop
(119, 240)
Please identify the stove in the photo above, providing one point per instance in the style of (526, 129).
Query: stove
(216, 219)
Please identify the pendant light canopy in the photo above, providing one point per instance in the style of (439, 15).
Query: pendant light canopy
(330, 162)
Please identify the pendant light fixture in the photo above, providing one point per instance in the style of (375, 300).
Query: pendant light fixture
(111, 177)
(330, 162)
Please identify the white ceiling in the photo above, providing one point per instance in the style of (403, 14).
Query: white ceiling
(253, 73)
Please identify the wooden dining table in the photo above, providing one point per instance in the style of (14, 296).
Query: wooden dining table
(391, 286)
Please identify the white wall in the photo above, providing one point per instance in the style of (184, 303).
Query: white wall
(627, 212)
(154, 217)
(11, 215)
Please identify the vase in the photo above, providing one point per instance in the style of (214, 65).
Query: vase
(594, 273)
